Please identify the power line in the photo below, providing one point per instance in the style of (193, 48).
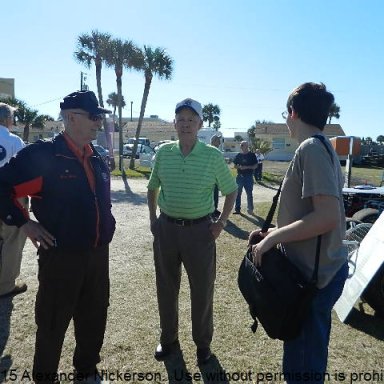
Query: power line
(47, 102)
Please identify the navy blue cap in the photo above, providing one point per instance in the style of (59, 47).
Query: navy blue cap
(85, 100)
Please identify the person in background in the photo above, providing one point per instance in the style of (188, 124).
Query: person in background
(311, 204)
(245, 162)
(216, 141)
(69, 185)
(259, 169)
(181, 184)
(12, 239)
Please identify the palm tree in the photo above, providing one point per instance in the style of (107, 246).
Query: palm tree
(334, 112)
(26, 116)
(119, 55)
(211, 113)
(92, 49)
(153, 62)
(40, 121)
(113, 101)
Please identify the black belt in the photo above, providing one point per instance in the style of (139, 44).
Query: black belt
(186, 222)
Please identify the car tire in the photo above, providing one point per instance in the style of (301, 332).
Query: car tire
(367, 215)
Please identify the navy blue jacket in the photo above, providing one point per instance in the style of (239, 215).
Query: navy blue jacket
(61, 198)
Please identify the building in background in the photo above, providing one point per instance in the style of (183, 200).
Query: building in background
(283, 146)
(7, 88)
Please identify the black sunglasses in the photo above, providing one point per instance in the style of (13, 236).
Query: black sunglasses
(91, 116)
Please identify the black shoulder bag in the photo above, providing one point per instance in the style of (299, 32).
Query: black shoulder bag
(278, 295)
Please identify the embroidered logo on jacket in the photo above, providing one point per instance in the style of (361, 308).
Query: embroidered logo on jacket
(67, 175)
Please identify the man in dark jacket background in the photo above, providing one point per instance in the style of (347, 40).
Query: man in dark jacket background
(69, 185)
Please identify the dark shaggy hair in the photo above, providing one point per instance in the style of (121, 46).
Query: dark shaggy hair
(312, 103)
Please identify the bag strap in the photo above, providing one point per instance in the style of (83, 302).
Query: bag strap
(272, 210)
(322, 139)
(315, 274)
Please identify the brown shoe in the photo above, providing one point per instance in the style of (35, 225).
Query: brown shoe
(19, 288)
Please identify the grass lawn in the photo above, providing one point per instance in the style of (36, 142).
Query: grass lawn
(356, 348)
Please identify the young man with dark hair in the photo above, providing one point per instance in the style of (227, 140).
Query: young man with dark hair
(311, 204)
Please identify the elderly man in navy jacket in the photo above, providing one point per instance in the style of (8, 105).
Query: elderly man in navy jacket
(69, 185)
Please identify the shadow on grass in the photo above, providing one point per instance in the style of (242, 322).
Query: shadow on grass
(371, 325)
(213, 372)
(177, 370)
(236, 231)
(210, 372)
(6, 307)
(127, 195)
(269, 186)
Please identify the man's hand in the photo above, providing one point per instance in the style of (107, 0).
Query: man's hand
(152, 221)
(216, 227)
(38, 234)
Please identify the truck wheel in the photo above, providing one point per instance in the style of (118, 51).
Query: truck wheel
(374, 293)
(367, 215)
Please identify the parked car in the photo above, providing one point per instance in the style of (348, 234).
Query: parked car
(142, 140)
(141, 149)
(104, 153)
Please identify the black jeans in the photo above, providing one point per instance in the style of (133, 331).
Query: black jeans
(72, 284)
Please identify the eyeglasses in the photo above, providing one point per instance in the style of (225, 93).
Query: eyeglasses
(286, 113)
(91, 116)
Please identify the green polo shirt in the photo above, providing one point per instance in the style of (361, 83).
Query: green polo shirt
(186, 183)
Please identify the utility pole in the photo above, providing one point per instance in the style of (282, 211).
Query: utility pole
(83, 78)
(131, 109)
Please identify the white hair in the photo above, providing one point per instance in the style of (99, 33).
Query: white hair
(6, 111)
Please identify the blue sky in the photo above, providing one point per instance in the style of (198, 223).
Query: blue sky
(244, 55)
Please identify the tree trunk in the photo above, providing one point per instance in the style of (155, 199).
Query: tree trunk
(119, 109)
(147, 86)
(26, 133)
(105, 124)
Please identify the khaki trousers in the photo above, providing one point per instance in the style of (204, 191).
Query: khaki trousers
(195, 247)
(12, 241)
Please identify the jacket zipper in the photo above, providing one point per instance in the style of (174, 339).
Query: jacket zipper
(97, 222)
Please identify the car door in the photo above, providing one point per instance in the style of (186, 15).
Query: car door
(146, 155)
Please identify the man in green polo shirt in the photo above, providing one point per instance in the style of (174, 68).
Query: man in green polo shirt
(181, 184)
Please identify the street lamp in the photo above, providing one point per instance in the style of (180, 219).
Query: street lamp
(131, 109)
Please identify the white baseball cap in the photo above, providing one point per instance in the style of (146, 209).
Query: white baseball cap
(191, 104)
